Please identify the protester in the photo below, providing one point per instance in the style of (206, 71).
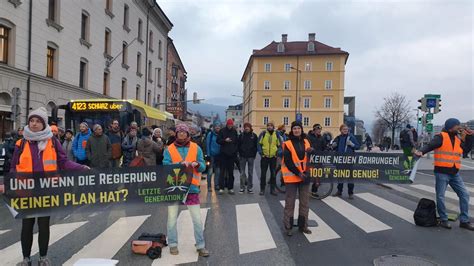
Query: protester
(248, 142)
(99, 149)
(196, 136)
(345, 143)
(184, 151)
(55, 131)
(62, 134)
(115, 137)
(448, 147)
(67, 144)
(296, 178)
(38, 140)
(228, 140)
(318, 143)
(281, 131)
(368, 142)
(147, 148)
(79, 144)
(159, 140)
(9, 146)
(269, 146)
(408, 145)
(129, 147)
(20, 132)
(171, 136)
(213, 151)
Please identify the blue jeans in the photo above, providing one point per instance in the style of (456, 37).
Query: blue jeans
(455, 181)
(215, 169)
(246, 179)
(195, 211)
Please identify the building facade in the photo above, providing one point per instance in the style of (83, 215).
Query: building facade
(175, 83)
(235, 113)
(285, 78)
(80, 49)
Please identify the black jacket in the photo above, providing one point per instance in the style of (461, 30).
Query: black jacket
(248, 145)
(298, 144)
(437, 142)
(228, 148)
(318, 142)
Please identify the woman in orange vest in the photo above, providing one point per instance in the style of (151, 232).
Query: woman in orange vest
(184, 151)
(448, 148)
(294, 174)
(39, 151)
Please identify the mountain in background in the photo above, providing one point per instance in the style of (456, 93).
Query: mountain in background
(207, 109)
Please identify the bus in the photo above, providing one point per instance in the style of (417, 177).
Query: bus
(104, 111)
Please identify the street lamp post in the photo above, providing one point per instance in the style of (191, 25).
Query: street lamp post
(297, 100)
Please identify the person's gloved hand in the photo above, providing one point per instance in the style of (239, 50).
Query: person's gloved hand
(195, 164)
(350, 143)
(305, 178)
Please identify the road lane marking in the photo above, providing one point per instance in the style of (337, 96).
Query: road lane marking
(388, 206)
(448, 194)
(109, 242)
(12, 254)
(187, 250)
(253, 232)
(3, 231)
(361, 219)
(321, 232)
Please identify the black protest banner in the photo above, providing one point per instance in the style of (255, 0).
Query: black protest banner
(45, 193)
(361, 167)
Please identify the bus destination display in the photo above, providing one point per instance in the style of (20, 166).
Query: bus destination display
(97, 106)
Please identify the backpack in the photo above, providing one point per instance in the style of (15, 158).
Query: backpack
(404, 137)
(425, 213)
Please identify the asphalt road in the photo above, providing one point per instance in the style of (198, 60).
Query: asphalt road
(247, 229)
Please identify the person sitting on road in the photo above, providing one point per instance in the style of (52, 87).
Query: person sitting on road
(38, 139)
(184, 151)
(296, 178)
(448, 147)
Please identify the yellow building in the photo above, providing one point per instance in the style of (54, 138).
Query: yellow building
(282, 72)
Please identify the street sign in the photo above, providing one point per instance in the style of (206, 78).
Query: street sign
(299, 117)
(432, 96)
(429, 127)
(431, 102)
(429, 116)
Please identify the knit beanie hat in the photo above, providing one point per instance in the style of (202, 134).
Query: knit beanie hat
(451, 122)
(247, 124)
(95, 127)
(41, 114)
(230, 122)
(182, 128)
(296, 124)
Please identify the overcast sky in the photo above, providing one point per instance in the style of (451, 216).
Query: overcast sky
(410, 47)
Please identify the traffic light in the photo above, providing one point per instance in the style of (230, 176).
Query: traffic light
(422, 107)
(419, 120)
(437, 106)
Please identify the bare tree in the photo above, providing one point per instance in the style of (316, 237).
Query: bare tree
(378, 131)
(394, 112)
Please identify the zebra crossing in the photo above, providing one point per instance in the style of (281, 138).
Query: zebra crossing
(253, 231)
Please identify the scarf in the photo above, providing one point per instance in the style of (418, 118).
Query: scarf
(41, 137)
(182, 143)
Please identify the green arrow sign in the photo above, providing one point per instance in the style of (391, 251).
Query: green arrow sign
(429, 127)
(432, 96)
(429, 116)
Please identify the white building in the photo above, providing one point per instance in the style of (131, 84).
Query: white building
(235, 112)
(58, 50)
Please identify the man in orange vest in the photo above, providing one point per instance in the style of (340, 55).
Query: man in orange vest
(448, 148)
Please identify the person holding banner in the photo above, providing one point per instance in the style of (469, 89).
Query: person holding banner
(345, 143)
(448, 148)
(184, 151)
(39, 151)
(296, 179)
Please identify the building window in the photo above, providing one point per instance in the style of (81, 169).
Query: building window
(327, 102)
(159, 77)
(287, 85)
(109, 6)
(285, 121)
(124, 54)
(148, 98)
(53, 10)
(287, 67)
(105, 89)
(306, 121)
(51, 61)
(83, 73)
(150, 41)
(307, 84)
(85, 26)
(307, 103)
(139, 64)
(286, 102)
(107, 42)
(328, 66)
(268, 67)
(327, 122)
(124, 88)
(266, 102)
(125, 17)
(265, 120)
(4, 32)
(307, 66)
(140, 26)
(328, 84)
(149, 71)
(160, 48)
(137, 92)
(266, 85)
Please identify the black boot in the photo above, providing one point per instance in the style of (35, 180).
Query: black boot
(272, 190)
(303, 225)
(289, 231)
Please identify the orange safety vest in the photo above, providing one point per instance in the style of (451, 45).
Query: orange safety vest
(25, 162)
(190, 157)
(448, 155)
(288, 176)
